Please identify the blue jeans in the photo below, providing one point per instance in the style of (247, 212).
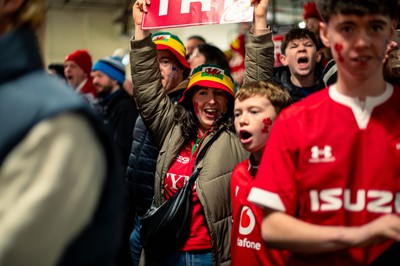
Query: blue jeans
(135, 244)
(196, 258)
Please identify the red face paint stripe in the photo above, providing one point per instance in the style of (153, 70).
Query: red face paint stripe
(338, 48)
(267, 124)
(196, 107)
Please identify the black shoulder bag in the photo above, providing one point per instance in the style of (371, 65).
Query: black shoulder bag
(167, 227)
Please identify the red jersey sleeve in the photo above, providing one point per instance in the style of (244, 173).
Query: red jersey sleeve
(274, 186)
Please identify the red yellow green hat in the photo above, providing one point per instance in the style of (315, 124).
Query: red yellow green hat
(172, 43)
(211, 76)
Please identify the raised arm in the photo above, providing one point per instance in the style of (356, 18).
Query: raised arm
(154, 105)
(260, 14)
(283, 231)
(138, 9)
(259, 59)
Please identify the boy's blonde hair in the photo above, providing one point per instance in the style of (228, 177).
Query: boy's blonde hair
(277, 95)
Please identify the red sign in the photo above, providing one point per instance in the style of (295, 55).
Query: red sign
(183, 13)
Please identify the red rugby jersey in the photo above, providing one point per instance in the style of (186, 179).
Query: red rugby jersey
(331, 160)
(247, 245)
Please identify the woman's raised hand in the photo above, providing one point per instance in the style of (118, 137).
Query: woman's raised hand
(138, 9)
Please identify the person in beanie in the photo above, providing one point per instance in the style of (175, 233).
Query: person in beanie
(59, 198)
(144, 151)
(119, 114)
(181, 131)
(77, 69)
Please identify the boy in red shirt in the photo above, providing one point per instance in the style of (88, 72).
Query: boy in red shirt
(257, 105)
(329, 176)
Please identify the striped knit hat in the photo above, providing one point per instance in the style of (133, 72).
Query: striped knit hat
(211, 76)
(111, 66)
(170, 42)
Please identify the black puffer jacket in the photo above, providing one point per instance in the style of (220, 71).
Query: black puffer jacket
(282, 77)
(143, 159)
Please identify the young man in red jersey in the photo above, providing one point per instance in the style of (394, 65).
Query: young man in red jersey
(329, 176)
(257, 105)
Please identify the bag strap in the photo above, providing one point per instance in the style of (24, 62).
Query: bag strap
(196, 170)
(200, 157)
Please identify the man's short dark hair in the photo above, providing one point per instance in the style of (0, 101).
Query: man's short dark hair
(297, 34)
(328, 8)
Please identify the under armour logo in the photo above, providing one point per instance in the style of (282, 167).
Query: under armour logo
(321, 155)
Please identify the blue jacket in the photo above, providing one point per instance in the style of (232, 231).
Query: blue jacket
(142, 162)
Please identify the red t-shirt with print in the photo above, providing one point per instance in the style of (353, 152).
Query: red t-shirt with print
(179, 172)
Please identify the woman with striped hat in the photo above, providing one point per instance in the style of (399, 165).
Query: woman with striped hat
(182, 131)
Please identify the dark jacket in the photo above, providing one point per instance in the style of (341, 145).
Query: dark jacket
(143, 159)
(329, 75)
(120, 114)
(31, 96)
(282, 77)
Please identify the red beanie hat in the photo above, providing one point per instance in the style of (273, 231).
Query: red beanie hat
(311, 11)
(82, 58)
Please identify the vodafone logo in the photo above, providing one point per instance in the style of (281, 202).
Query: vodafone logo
(246, 226)
(247, 221)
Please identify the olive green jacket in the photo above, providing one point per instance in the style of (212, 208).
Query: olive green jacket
(213, 183)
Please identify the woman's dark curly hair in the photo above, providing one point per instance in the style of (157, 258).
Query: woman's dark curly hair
(186, 118)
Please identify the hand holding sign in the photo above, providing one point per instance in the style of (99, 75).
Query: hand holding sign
(139, 8)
